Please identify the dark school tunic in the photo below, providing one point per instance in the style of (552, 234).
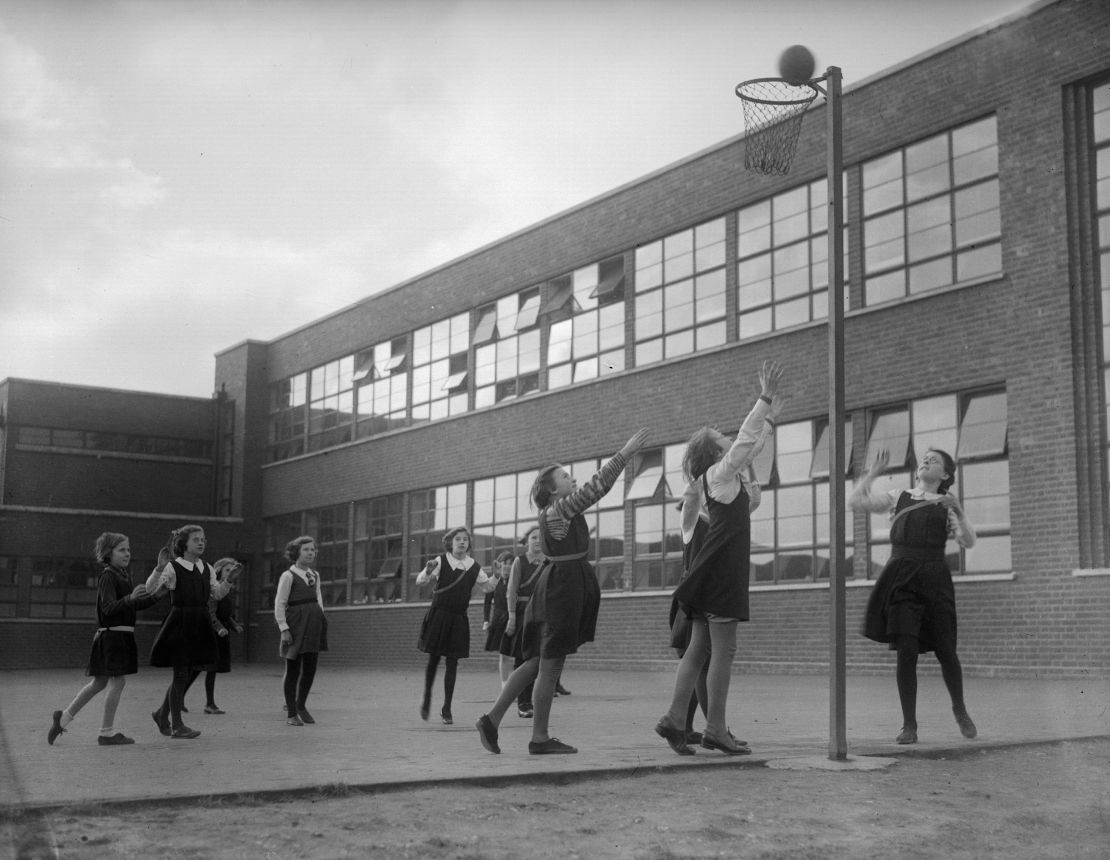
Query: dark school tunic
(225, 614)
(499, 615)
(113, 647)
(306, 620)
(913, 595)
(445, 630)
(562, 614)
(186, 637)
(717, 583)
(679, 621)
(511, 645)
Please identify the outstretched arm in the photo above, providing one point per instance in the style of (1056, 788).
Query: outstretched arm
(863, 498)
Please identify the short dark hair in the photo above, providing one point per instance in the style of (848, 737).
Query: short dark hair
(105, 544)
(544, 486)
(180, 537)
(949, 467)
(293, 548)
(450, 536)
(533, 528)
(504, 557)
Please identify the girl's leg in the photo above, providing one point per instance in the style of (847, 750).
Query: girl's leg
(210, 689)
(83, 697)
(687, 674)
(550, 668)
(182, 675)
(289, 684)
(111, 703)
(954, 680)
(504, 670)
(308, 675)
(520, 680)
(193, 675)
(722, 636)
(429, 680)
(907, 687)
(450, 673)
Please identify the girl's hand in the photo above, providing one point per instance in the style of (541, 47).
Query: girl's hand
(429, 566)
(769, 376)
(635, 443)
(139, 592)
(510, 628)
(775, 409)
(882, 460)
(286, 637)
(223, 633)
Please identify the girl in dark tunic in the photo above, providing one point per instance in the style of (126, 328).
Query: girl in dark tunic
(562, 614)
(522, 582)
(496, 614)
(114, 654)
(225, 622)
(299, 612)
(714, 594)
(445, 630)
(912, 607)
(186, 640)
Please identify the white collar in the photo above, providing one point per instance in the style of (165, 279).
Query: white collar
(303, 572)
(190, 565)
(464, 563)
(918, 493)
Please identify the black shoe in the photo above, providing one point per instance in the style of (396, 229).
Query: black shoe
(560, 690)
(212, 709)
(305, 716)
(184, 710)
(676, 738)
(967, 727)
(448, 720)
(728, 747)
(425, 708)
(183, 732)
(525, 712)
(56, 729)
(908, 735)
(114, 740)
(694, 738)
(294, 720)
(163, 723)
(552, 746)
(487, 732)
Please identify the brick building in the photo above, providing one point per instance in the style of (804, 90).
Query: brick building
(977, 245)
(76, 461)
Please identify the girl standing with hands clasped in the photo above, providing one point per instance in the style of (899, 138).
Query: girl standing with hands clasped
(496, 612)
(912, 607)
(299, 611)
(114, 654)
(714, 593)
(225, 623)
(186, 640)
(562, 614)
(445, 631)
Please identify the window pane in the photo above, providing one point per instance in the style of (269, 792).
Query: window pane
(795, 451)
(990, 554)
(983, 429)
(890, 430)
(985, 490)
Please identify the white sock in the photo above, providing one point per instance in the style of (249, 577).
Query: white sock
(108, 732)
(66, 719)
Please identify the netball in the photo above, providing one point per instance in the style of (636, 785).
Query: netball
(797, 64)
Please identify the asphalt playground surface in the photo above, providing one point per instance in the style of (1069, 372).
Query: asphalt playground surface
(369, 735)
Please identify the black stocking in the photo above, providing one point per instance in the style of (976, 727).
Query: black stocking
(907, 679)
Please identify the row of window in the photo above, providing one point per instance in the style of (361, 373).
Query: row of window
(371, 550)
(54, 586)
(124, 443)
(930, 219)
(1101, 145)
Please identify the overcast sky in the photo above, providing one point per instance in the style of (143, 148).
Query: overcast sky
(177, 176)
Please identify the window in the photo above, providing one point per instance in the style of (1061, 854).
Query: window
(432, 513)
(380, 373)
(330, 403)
(123, 443)
(379, 550)
(972, 428)
(782, 252)
(586, 333)
(60, 587)
(439, 369)
(330, 528)
(9, 586)
(931, 214)
(790, 528)
(279, 531)
(657, 485)
(507, 348)
(1101, 142)
(680, 293)
(502, 514)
